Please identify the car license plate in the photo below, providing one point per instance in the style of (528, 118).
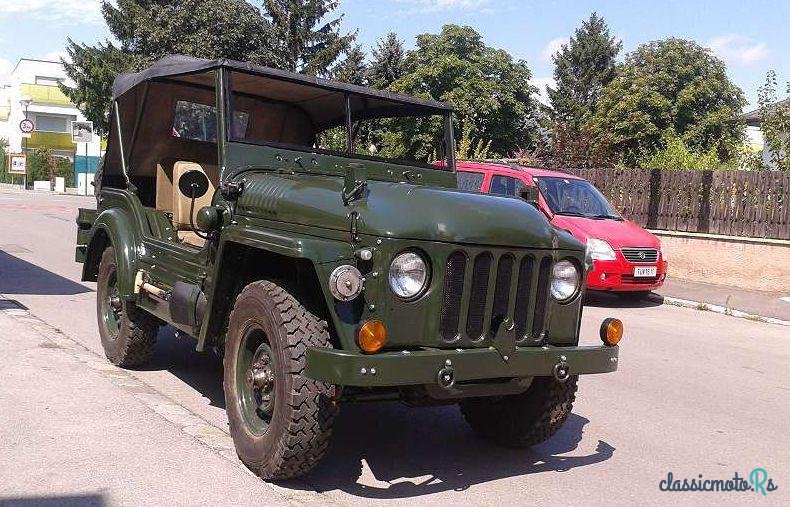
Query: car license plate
(644, 272)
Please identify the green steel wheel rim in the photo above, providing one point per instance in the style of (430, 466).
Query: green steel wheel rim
(112, 307)
(255, 380)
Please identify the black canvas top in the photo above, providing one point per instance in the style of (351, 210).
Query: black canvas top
(178, 65)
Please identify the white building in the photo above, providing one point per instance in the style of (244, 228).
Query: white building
(32, 92)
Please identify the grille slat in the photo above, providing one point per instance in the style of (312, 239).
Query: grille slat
(451, 298)
(523, 295)
(504, 274)
(541, 297)
(478, 297)
(639, 255)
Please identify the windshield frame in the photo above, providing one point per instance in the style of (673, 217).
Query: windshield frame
(225, 96)
(614, 215)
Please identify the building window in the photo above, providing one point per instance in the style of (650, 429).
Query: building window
(48, 81)
(52, 123)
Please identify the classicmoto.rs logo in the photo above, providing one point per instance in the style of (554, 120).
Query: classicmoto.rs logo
(758, 482)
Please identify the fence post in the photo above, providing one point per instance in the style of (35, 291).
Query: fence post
(703, 220)
(654, 198)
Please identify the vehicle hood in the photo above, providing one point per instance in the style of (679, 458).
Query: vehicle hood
(402, 210)
(618, 233)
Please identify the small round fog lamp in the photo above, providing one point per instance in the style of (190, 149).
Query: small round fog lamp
(372, 336)
(611, 331)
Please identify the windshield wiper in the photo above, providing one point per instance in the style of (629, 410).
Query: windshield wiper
(612, 217)
(571, 213)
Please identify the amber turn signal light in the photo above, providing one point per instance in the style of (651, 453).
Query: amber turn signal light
(611, 331)
(372, 336)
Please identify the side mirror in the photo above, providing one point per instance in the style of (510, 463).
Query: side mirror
(530, 194)
(193, 184)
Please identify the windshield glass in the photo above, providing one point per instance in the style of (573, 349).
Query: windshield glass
(310, 118)
(566, 196)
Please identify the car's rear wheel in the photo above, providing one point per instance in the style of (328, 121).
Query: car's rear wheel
(526, 419)
(280, 420)
(128, 334)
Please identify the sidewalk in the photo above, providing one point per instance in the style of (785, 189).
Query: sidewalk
(76, 430)
(765, 304)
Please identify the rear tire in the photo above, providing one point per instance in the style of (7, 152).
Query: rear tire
(522, 420)
(128, 334)
(280, 420)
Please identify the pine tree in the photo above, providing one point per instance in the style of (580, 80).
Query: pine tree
(352, 69)
(582, 68)
(301, 40)
(288, 34)
(147, 30)
(387, 65)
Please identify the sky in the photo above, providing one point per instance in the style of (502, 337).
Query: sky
(751, 36)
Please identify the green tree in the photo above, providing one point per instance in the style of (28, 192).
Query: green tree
(42, 165)
(775, 121)
(286, 34)
(490, 91)
(301, 40)
(582, 68)
(352, 69)
(388, 62)
(4, 177)
(671, 86)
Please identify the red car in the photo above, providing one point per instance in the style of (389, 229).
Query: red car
(626, 258)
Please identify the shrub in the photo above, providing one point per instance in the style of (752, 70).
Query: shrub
(676, 155)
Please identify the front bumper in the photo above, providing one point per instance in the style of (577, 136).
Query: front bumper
(617, 275)
(423, 366)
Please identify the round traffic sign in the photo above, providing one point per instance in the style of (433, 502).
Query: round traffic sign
(27, 126)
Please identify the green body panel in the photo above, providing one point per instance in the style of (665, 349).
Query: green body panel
(421, 367)
(401, 210)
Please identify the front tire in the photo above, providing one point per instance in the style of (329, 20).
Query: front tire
(128, 334)
(522, 420)
(280, 420)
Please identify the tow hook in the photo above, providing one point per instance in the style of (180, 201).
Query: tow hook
(446, 377)
(562, 369)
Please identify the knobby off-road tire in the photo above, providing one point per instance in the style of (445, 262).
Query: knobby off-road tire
(526, 419)
(281, 428)
(128, 334)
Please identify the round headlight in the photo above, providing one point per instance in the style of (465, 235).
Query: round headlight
(564, 280)
(408, 275)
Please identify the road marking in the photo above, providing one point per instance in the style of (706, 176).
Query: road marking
(786, 299)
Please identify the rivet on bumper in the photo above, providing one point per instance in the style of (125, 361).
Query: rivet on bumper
(562, 370)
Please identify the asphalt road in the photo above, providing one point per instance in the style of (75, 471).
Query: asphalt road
(696, 393)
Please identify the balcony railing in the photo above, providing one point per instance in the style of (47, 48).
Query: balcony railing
(51, 140)
(46, 95)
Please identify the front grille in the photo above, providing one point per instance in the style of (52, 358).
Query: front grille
(639, 255)
(482, 289)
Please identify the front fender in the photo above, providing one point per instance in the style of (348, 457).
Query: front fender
(112, 228)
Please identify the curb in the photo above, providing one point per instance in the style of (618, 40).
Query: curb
(723, 310)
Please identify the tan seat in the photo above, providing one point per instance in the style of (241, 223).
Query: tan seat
(182, 203)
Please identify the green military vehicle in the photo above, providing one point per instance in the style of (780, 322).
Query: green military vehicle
(295, 225)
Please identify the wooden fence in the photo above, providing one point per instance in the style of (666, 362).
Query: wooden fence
(736, 203)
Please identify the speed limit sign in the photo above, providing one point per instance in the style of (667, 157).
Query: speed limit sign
(27, 126)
